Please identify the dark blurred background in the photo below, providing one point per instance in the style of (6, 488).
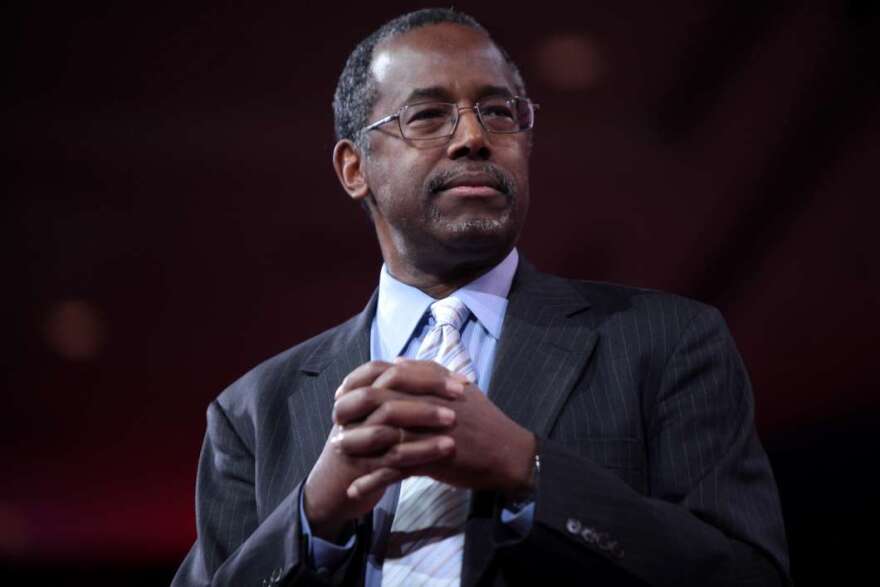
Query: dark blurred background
(171, 218)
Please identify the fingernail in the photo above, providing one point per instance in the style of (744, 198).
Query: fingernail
(445, 444)
(352, 492)
(399, 359)
(338, 392)
(461, 377)
(336, 438)
(454, 387)
(445, 415)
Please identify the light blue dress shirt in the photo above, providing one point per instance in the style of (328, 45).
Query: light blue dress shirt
(402, 320)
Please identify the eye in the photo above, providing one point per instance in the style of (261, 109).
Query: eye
(498, 109)
(427, 114)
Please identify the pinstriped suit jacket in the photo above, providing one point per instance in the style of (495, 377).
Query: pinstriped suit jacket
(651, 470)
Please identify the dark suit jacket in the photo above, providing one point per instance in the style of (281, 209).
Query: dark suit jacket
(651, 470)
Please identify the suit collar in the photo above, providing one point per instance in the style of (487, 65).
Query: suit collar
(347, 345)
(352, 339)
(401, 308)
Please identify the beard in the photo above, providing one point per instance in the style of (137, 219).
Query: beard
(471, 226)
(494, 223)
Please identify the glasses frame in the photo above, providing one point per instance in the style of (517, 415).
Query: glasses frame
(458, 110)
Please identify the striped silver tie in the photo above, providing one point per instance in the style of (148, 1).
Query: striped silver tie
(427, 535)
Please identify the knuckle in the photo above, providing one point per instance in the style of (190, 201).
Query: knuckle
(393, 456)
(367, 371)
(435, 367)
(370, 397)
(341, 411)
(392, 375)
(379, 434)
(385, 412)
(376, 366)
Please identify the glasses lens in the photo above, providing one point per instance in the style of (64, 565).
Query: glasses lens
(427, 121)
(506, 114)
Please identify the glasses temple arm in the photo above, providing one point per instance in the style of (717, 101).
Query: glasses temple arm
(379, 122)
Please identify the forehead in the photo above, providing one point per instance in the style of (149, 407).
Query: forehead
(459, 59)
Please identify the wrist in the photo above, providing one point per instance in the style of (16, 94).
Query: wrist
(323, 524)
(526, 469)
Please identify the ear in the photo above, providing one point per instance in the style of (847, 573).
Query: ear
(348, 161)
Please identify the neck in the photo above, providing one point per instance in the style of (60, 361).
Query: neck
(438, 281)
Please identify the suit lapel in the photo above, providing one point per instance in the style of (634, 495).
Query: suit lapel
(343, 350)
(311, 402)
(543, 350)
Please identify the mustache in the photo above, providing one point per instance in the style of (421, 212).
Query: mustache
(503, 181)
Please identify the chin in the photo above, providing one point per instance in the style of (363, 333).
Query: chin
(480, 233)
(477, 226)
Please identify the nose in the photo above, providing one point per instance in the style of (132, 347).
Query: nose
(469, 140)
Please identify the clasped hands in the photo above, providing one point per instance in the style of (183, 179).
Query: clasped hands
(395, 420)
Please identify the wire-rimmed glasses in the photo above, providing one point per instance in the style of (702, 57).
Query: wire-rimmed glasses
(431, 121)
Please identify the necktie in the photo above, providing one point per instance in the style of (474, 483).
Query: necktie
(426, 540)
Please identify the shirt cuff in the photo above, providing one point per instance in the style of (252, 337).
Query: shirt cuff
(323, 554)
(519, 519)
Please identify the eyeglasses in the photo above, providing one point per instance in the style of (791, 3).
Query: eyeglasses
(431, 121)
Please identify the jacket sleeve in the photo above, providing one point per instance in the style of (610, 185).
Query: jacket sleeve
(234, 546)
(711, 514)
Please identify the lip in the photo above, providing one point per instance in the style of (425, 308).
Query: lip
(472, 191)
(473, 186)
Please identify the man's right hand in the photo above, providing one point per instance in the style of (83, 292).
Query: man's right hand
(378, 442)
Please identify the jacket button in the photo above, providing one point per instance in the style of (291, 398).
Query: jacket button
(589, 535)
(573, 526)
(615, 550)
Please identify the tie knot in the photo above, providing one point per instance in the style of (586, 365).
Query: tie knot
(451, 311)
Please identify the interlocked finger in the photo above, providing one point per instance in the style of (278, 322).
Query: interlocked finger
(363, 376)
(401, 457)
(364, 441)
(360, 404)
(413, 453)
(374, 481)
(422, 378)
(411, 414)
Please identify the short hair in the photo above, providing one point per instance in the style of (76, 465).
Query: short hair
(356, 91)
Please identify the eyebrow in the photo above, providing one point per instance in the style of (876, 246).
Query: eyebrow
(441, 93)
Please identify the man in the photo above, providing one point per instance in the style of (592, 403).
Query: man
(615, 445)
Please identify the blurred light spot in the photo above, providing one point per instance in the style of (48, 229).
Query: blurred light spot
(13, 531)
(570, 62)
(75, 330)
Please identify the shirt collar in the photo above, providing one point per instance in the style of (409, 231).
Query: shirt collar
(400, 306)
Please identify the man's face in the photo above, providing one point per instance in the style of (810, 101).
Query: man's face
(462, 201)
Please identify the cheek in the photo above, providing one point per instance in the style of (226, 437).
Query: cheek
(398, 166)
(514, 156)
(406, 178)
(397, 189)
